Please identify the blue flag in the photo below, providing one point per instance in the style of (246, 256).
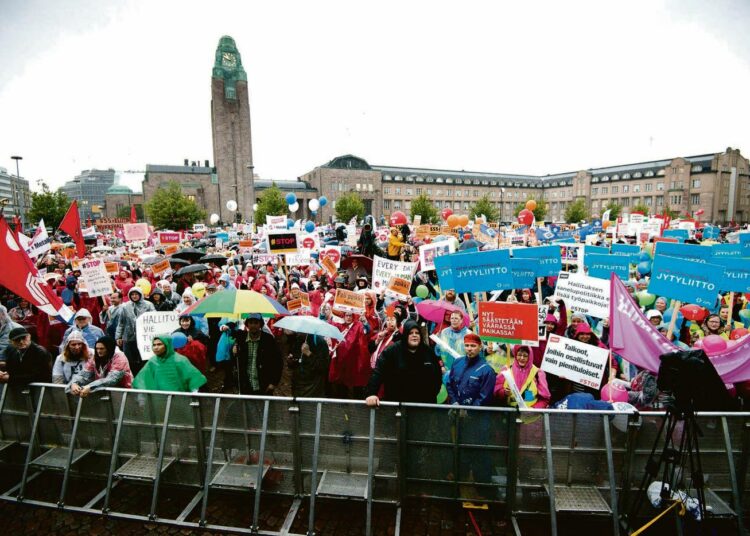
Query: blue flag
(688, 280)
(550, 263)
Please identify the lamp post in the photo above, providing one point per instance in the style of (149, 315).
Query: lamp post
(17, 158)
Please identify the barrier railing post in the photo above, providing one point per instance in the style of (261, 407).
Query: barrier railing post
(210, 462)
(370, 470)
(569, 469)
(160, 459)
(32, 442)
(296, 449)
(744, 457)
(456, 453)
(733, 476)
(200, 445)
(631, 440)
(550, 475)
(261, 463)
(400, 464)
(511, 482)
(3, 396)
(71, 451)
(314, 475)
(611, 474)
(115, 453)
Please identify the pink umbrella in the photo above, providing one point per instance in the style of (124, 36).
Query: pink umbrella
(434, 310)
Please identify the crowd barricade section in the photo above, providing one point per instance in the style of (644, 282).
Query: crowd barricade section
(184, 450)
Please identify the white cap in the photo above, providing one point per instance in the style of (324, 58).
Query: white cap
(83, 313)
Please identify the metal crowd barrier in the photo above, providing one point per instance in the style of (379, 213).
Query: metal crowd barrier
(537, 464)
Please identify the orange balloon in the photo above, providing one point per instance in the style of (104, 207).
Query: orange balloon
(463, 221)
(531, 205)
(452, 221)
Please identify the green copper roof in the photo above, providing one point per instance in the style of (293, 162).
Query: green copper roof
(228, 66)
(119, 189)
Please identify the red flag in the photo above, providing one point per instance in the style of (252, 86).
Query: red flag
(71, 224)
(133, 218)
(20, 276)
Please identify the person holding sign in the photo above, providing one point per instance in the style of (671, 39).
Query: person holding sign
(471, 380)
(168, 370)
(350, 362)
(530, 381)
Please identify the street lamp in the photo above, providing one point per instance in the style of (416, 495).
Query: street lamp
(17, 158)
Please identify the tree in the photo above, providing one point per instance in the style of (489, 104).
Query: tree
(124, 212)
(576, 212)
(615, 210)
(169, 208)
(484, 206)
(271, 202)
(349, 205)
(422, 206)
(539, 212)
(643, 209)
(673, 214)
(47, 205)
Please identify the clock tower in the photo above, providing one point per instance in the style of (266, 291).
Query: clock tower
(230, 124)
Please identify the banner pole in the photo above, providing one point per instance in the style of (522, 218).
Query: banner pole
(539, 291)
(675, 308)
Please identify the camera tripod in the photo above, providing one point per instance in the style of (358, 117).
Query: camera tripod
(680, 448)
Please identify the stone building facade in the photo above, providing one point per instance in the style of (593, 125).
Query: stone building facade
(117, 198)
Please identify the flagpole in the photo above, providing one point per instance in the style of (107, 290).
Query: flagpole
(673, 320)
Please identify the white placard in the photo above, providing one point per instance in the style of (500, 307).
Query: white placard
(384, 269)
(152, 323)
(298, 259)
(276, 222)
(508, 374)
(428, 252)
(584, 294)
(95, 276)
(575, 361)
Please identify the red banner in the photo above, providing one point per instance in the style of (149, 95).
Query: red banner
(515, 323)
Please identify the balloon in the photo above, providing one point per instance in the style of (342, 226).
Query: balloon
(398, 218)
(144, 285)
(614, 393)
(463, 221)
(199, 289)
(232, 205)
(294, 207)
(643, 256)
(423, 291)
(699, 212)
(427, 239)
(214, 219)
(323, 201)
(452, 221)
(525, 217)
(445, 213)
(179, 340)
(313, 205)
(738, 333)
(606, 224)
(745, 316)
(289, 223)
(310, 226)
(644, 267)
(713, 344)
(255, 207)
(531, 205)
(694, 313)
(291, 198)
(644, 298)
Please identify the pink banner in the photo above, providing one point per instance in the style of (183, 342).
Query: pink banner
(633, 337)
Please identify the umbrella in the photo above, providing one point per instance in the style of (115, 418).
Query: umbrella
(219, 260)
(153, 259)
(99, 249)
(469, 244)
(190, 254)
(434, 310)
(309, 325)
(236, 304)
(191, 269)
(177, 262)
(364, 262)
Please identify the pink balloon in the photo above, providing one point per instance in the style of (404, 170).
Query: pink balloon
(699, 344)
(614, 392)
(714, 344)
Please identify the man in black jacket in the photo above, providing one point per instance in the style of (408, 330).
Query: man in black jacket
(408, 370)
(257, 359)
(25, 361)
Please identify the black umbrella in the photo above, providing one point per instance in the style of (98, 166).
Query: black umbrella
(218, 260)
(177, 262)
(190, 254)
(153, 259)
(191, 269)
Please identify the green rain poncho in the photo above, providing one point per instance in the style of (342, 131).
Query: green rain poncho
(170, 372)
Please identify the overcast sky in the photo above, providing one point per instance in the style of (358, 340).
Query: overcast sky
(515, 87)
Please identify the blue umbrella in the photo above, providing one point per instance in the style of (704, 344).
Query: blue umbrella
(309, 325)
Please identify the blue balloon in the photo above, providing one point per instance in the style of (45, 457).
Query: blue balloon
(310, 227)
(314, 213)
(179, 340)
(323, 200)
(644, 268)
(643, 256)
(291, 198)
(289, 223)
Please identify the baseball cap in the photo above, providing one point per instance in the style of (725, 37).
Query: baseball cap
(17, 333)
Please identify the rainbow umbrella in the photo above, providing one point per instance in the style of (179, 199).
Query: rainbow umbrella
(236, 304)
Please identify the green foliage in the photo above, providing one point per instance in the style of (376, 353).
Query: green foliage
(615, 210)
(539, 212)
(51, 206)
(671, 213)
(643, 209)
(349, 205)
(576, 212)
(124, 212)
(484, 206)
(272, 202)
(423, 206)
(170, 209)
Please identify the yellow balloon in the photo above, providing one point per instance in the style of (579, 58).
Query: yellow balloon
(199, 289)
(144, 285)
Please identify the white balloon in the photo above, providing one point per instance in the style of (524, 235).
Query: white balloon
(294, 207)
(255, 207)
(313, 204)
(214, 219)
(232, 205)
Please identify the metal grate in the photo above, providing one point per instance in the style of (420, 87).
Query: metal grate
(579, 499)
(238, 476)
(142, 468)
(57, 458)
(343, 485)
(717, 506)
(5, 444)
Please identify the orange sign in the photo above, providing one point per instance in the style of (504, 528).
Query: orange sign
(329, 266)
(170, 250)
(398, 286)
(246, 243)
(294, 306)
(305, 299)
(349, 302)
(161, 266)
(112, 267)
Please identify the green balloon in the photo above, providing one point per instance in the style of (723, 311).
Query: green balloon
(645, 299)
(442, 395)
(422, 291)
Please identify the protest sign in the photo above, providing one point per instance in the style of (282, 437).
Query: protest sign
(444, 271)
(333, 253)
(135, 231)
(745, 244)
(261, 259)
(40, 243)
(152, 323)
(549, 258)
(422, 231)
(575, 361)
(627, 250)
(684, 251)
(384, 269)
(310, 241)
(304, 299)
(477, 272)
(282, 242)
(680, 234)
(112, 267)
(200, 227)
(542, 311)
(595, 250)
(294, 306)
(417, 221)
(97, 280)
(726, 250)
(398, 287)
(524, 272)
(298, 259)
(688, 280)
(514, 323)
(170, 250)
(168, 238)
(276, 222)
(329, 266)
(600, 266)
(736, 277)
(349, 302)
(160, 267)
(428, 252)
(584, 294)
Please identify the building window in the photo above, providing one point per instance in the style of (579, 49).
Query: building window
(429, 191)
(637, 175)
(647, 187)
(447, 204)
(625, 188)
(696, 183)
(408, 191)
(659, 186)
(449, 193)
(615, 189)
(457, 205)
(466, 193)
(386, 204)
(397, 205)
(648, 201)
(676, 185)
(649, 173)
(626, 175)
(439, 192)
(369, 187)
(696, 169)
(636, 187)
(695, 199)
(676, 199)
(661, 172)
(605, 190)
(458, 193)
(419, 191)
(625, 202)
(408, 204)
(398, 191)
(476, 193)
(387, 190)
(594, 191)
(659, 200)
(466, 206)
